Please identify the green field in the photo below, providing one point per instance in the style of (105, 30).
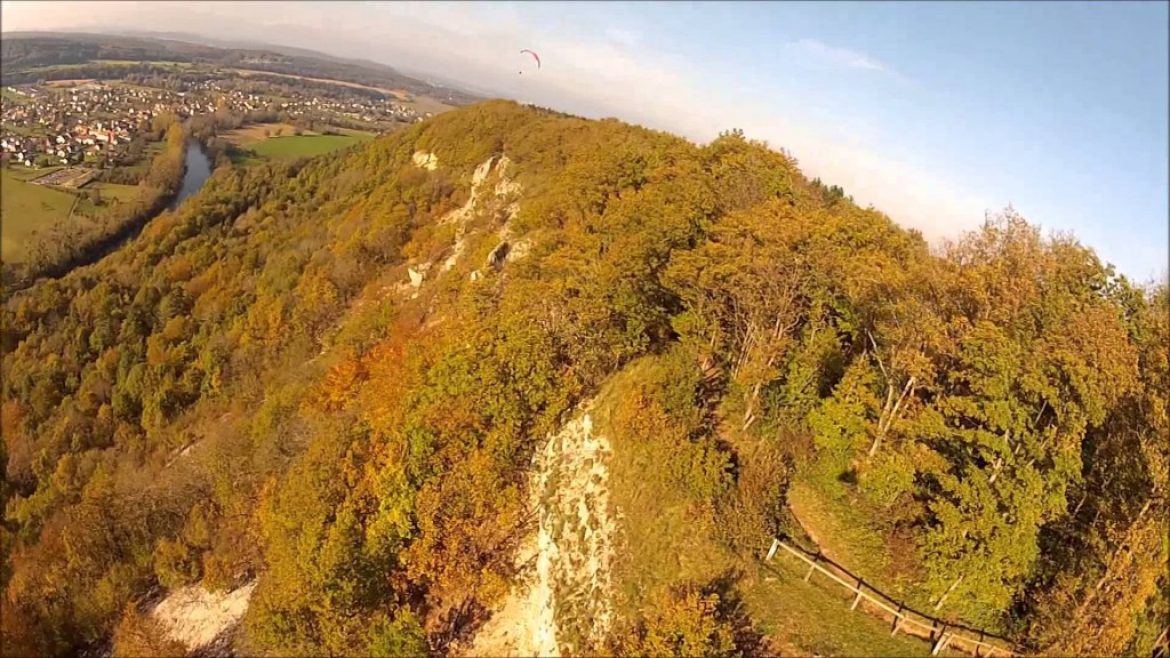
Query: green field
(112, 195)
(114, 191)
(113, 63)
(24, 208)
(304, 146)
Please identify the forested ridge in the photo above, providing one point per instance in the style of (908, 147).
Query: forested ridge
(252, 388)
(31, 56)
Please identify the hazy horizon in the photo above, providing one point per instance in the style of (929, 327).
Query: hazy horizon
(934, 114)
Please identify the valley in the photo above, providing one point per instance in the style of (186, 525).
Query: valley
(506, 381)
(76, 150)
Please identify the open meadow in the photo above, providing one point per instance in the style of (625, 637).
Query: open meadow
(25, 208)
(260, 142)
(303, 146)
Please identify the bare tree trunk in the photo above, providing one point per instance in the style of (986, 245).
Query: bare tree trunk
(947, 593)
(749, 415)
(890, 414)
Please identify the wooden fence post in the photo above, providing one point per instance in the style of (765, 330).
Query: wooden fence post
(857, 599)
(897, 619)
(772, 550)
(940, 641)
(811, 568)
(943, 640)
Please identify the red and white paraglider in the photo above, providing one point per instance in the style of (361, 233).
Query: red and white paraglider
(534, 56)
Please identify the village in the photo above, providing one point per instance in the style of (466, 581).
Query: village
(100, 124)
(47, 126)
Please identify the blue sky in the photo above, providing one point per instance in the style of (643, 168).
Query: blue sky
(1057, 108)
(932, 111)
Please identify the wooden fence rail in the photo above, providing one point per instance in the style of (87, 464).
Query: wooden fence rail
(939, 632)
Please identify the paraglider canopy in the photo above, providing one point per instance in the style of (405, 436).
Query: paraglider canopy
(534, 56)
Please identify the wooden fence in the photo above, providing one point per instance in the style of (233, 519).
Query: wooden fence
(940, 633)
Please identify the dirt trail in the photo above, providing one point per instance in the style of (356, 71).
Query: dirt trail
(562, 602)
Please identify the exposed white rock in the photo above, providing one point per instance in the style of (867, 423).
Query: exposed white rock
(505, 189)
(428, 161)
(196, 617)
(565, 575)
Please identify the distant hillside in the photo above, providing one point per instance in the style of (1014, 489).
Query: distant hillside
(510, 381)
(23, 53)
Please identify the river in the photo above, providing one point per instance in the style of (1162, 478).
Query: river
(198, 168)
(196, 171)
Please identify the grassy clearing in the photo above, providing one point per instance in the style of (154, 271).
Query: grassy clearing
(840, 531)
(25, 208)
(9, 96)
(26, 174)
(112, 195)
(814, 617)
(114, 191)
(833, 517)
(303, 146)
(663, 540)
(258, 132)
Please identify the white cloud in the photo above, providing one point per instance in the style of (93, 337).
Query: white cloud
(817, 52)
(606, 75)
(623, 37)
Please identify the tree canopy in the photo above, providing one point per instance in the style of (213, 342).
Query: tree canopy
(252, 387)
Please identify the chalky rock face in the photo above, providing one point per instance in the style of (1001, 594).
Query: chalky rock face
(564, 596)
(198, 618)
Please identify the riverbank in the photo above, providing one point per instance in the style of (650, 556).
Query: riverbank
(176, 173)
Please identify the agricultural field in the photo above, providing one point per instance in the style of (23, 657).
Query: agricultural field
(303, 146)
(11, 97)
(255, 147)
(114, 191)
(25, 208)
(258, 132)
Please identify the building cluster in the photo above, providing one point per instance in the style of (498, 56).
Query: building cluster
(93, 122)
(70, 125)
(317, 105)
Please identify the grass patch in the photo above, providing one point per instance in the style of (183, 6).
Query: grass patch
(27, 174)
(840, 530)
(26, 208)
(258, 132)
(114, 191)
(303, 146)
(12, 97)
(112, 195)
(664, 538)
(814, 617)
